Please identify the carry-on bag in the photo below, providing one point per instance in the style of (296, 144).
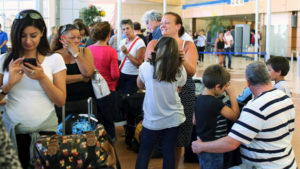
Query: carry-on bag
(91, 150)
(79, 123)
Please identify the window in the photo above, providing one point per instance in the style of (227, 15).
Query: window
(9, 9)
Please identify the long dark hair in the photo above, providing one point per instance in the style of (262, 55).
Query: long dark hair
(55, 44)
(166, 60)
(178, 20)
(23, 20)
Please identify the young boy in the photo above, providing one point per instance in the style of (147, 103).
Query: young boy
(210, 113)
(279, 67)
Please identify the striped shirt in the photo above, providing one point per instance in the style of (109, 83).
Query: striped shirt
(221, 129)
(265, 128)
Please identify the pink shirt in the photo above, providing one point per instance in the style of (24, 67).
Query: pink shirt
(106, 62)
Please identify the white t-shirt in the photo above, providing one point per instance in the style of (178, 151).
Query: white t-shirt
(201, 41)
(229, 39)
(128, 67)
(162, 105)
(187, 37)
(283, 86)
(27, 102)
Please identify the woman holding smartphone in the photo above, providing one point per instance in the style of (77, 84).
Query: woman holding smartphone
(32, 90)
(80, 67)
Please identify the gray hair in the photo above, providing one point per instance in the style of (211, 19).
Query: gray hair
(127, 21)
(257, 73)
(151, 15)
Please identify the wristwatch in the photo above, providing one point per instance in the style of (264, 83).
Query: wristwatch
(76, 55)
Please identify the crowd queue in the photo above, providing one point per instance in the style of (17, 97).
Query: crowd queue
(161, 63)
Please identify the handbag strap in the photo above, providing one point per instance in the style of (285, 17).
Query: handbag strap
(123, 62)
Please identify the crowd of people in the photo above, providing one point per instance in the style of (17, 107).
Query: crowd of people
(163, 65)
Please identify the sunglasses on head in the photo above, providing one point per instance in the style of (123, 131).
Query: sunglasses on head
(67, 28)
(32, 15)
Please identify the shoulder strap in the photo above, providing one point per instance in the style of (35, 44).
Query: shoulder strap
(183, 44)
(123, 62)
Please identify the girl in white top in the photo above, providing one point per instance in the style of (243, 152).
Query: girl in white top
(32, 90)
(163, 112)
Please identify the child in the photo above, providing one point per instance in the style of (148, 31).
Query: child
(279, 67)
(210, 113)
(163, 111)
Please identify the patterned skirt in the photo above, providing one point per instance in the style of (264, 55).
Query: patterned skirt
(187, 96)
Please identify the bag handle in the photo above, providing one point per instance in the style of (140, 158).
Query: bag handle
(90, 108)
(64, 119)
(123, 62)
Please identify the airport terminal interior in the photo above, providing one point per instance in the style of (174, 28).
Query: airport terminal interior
(260, 29)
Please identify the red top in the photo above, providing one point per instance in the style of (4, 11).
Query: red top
(106, 62)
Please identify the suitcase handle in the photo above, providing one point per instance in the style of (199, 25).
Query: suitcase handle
(90, 110)
(63, 119)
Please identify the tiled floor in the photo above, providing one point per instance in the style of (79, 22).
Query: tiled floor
(128, 157)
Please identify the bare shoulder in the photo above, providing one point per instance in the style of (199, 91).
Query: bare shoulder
(87, 50)
(189, 46)
(152, 44)
(60, 51)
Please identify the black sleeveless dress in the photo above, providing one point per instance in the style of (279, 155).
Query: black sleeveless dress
(187, 96)
(80, 90)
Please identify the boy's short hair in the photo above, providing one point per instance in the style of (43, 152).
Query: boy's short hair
(279, 63)
(215, 74)
(136, 26)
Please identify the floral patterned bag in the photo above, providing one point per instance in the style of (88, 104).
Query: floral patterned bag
(91, 150)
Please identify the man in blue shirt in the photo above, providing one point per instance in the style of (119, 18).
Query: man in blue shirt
(152, 20)
(3, 41)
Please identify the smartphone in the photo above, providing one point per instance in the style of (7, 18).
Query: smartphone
(30, 60)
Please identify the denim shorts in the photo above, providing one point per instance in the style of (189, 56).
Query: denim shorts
(211, 160)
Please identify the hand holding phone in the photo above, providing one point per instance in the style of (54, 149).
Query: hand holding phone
(29, 60)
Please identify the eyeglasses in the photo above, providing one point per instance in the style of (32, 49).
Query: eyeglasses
(32, 15)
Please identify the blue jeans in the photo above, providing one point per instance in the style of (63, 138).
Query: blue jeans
(149, 138)
(229, 58)
(211, 160)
